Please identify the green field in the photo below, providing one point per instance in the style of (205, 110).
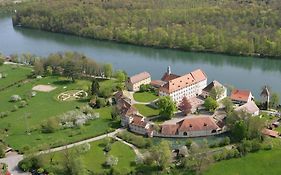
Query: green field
(14, 73)
(43, 106)
(263, 163)
(96, 157)
(145, 96)
(146, 110)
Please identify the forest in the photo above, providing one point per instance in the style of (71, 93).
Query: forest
(237, 27)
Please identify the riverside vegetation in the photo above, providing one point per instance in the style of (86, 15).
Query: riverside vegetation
(233, 27)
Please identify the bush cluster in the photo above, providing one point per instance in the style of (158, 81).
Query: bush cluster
(136, 140)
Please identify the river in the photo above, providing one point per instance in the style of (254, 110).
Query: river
(240, 72)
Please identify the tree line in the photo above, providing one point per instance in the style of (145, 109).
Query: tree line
(69, 64)
(233, 27)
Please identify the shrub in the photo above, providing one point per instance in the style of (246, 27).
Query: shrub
(29, 163)
(4, 114)
(22, 103)
(2, 151)
(227, 154)
(84, 148)
(106, 92)
(145, 87)
(40, 170)
(1, 61)
(15, 98)
(50, 126)
(188, 143)
(15, 108)
(268, 146)
(249, 146)
(111, 161)
(136, 140)
(101, 102)
(256, 145)
(225, 141)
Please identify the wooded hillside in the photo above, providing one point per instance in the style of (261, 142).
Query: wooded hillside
(249, 27)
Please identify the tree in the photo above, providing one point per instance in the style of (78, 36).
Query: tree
(50, 126)
(185, 106)
(114, 113)
(216, 92)
(95, 87)
(243, 126)
(72, 163)
(167, 107)
(199, 158)
(145, 87)
(274, 100)
(228, 105)
(70, 70)
(210, 104)
(255, 126)
(162, 154)
(239, 130)
(1, 61)
(38, 67)
(107, 70)
(120, 76)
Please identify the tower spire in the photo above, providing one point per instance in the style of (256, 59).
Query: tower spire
(169, 70)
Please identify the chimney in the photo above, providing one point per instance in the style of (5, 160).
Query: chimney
(169, 70)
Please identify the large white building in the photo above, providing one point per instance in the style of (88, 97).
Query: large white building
(189, 85)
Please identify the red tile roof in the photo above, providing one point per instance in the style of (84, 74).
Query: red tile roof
(157, 83)
(270, 133)
(125, 108)
(139, 77)
(169, 129)
(240, 95)
(168, 77)
(138, 121)
(197, 124)
(184, 81)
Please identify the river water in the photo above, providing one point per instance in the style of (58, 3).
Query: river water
(240, 72)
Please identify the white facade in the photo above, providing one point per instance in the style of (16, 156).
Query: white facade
(188, 91)
(139, 129)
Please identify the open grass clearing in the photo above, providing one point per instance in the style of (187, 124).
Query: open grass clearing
(96, 157)
(14, 74)
(145, 96)
(43, 106)
(146, 110)
(262, 162)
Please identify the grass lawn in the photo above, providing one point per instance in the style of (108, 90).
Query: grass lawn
(262, 162)
(43, 106)
(278, 129)
(96, 157)
(146, 110)
(14, 73)
(145, 96)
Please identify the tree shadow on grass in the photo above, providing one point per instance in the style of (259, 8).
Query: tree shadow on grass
(160, 119)
(114, 124)
(62, 82)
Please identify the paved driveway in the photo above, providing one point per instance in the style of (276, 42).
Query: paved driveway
(12, 159)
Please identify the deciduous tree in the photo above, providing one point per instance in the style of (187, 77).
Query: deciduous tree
(167, 106)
